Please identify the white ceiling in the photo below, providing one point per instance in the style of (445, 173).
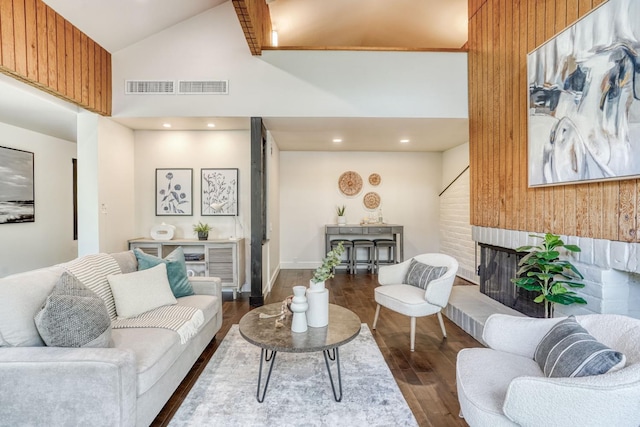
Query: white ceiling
(116, 24)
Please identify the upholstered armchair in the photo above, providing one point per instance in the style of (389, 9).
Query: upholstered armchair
(413, 301)
(502, 385)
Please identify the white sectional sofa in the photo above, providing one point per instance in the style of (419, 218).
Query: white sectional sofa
(126, 384)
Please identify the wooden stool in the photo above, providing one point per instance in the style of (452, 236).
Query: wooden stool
(390, 245)
(348, 249)
(369, 262)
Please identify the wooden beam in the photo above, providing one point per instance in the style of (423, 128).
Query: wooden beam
(255, 21)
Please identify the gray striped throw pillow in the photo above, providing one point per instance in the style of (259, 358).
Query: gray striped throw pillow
(568, 350)
(421, 275)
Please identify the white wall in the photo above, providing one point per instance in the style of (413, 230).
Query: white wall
(285, 83)
(48, 240)
(455, 225)
(116, 185)
(196, 150)
(309, 194)
(272, 260)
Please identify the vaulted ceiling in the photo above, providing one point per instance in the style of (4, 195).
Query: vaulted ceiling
(366, 24)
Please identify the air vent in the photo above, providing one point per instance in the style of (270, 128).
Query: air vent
(160, 87)
(204, 87)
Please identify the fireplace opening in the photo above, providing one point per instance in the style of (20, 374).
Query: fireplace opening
(497, 267)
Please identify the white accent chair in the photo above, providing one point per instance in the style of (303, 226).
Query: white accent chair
(413, 301)
(503, 386)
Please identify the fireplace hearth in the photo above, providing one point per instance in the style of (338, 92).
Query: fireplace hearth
(497, 267)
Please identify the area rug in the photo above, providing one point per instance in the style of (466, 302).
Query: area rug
(299, 392)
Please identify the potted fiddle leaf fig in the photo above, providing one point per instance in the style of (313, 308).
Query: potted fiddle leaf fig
(542, 270)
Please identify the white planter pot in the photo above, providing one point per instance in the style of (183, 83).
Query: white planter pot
(342, 220)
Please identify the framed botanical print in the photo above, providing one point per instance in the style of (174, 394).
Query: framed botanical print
(219, 192)
(174, 192)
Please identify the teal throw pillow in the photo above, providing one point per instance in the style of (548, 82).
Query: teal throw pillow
(176, 270)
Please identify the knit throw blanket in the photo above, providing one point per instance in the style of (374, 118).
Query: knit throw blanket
(92, 271)
(186, 321)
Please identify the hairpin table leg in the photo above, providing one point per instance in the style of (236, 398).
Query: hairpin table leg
(334, 355)
(265, 356)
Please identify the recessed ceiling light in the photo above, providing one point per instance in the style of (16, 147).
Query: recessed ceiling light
(337, 140)
(166, 125)
(404, 141)
(211, 125)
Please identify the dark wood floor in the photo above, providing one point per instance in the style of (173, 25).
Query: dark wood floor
(426, 376)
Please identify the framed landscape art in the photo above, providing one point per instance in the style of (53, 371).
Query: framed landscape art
(17, 197)
(174, 192)
(219, 192)
(584, 99)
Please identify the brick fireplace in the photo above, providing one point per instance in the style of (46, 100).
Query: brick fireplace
(611, 270)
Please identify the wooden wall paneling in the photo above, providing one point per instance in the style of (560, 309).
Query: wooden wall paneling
(68, 54)
(8, 60)
(595, 194)
(514, 64)
(52, 53)
(531, 44)
(77, 66)
(91, 73)
(507, 84)
(584, 6)
(582, 209)
(501, 84)
(494, 126)
(486, 121)
(627, 224)
(61, 58)
(104, 81)
(108, 76)
(98, 83)
(31, 37)
(20, 37)
(523, 104)
(42, 42)
(472, 88)
(84, 68)
(610, 200)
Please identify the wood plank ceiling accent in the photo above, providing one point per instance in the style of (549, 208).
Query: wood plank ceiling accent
(501, 33)
(255, 20)
(42, 49)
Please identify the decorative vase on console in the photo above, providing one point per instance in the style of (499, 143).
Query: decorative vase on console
(318, 294)
(299, 307)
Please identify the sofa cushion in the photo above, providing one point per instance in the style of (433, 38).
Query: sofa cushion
(126, 260)
(21, 297)
(138, 292)
(482, 392)
(73, 316)
(176, 269)
(157, 349)
(420, 274)
(568, 350)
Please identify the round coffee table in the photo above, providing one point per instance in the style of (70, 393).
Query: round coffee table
(344, 326)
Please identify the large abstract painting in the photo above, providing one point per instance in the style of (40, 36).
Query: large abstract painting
(584, 99)
(16, 186)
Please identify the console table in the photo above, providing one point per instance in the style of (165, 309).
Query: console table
(364, 231)
(223, 258)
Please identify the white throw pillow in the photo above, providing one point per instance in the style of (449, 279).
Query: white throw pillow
(138, 292)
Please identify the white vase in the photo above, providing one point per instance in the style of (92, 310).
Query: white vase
(342, 220)
(318, 312)
(299, 306)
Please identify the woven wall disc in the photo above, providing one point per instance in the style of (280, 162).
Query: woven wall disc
(371, 200)
(350, 183)
(375, 179)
